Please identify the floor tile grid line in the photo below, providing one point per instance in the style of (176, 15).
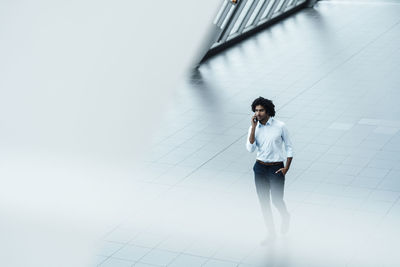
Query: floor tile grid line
(304, 49)
(389, 210)
(383, 218)
(394, 202)
(178, 163)
(103, 261)
(152, 249)
(358, 209)
(124, 244)
(332, 183)
(319, 182)
(330, 205)
(390, 139)
(339, 64)
(338, 166)
(310, 86)
(200, 148)
(207, 259)
(381, 181)
(199, 167)
(178, 146)
(186, 254)
(111, 255)
(241, 261)
(180, 253)
(147, 264)
(319, 143)
(172, 186)
(314, 190)
(166, 154)
(212, 256)
(104, 239)
(394, 191)
(154, 181)
(183, 253)
(349, 185)
(172, 134)
(138, 261)
(110, 258)
(176, 185)
(363, 2)
(109, 232)
(382, 146)
(295, 179)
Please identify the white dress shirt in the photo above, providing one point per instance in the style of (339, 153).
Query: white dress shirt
(272, 141)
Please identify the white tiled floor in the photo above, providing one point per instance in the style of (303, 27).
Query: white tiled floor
(332, 72)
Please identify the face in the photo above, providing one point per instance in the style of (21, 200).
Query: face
(260, 113)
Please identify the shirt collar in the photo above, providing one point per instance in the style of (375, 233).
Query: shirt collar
(269, 122)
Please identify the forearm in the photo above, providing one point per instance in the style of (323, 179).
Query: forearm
(288, 162)
(252, 137)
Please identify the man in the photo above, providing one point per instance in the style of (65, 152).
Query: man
(268, 136)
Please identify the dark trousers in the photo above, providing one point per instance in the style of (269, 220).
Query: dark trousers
(270, 186)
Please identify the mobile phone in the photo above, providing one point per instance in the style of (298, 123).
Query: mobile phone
(255, 119)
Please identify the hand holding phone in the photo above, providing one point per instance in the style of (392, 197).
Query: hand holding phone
(254, 120)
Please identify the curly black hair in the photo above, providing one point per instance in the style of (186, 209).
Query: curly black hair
(266, 104)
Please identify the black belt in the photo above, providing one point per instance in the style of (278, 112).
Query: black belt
(270, 163)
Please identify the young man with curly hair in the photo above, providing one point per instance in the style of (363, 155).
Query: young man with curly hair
(270, 138)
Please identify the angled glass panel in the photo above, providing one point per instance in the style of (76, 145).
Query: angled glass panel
(227, 17)
(241, 16)
(291, 2)
(221, 10)
(266, 11)
(254, 14)
(280, 8)
(281, 2)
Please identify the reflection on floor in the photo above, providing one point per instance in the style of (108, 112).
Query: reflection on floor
(332, 72)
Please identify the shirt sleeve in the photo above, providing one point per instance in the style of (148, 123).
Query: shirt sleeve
(250, 147)
(287, 141)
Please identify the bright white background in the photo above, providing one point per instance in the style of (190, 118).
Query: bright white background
(82, 85)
